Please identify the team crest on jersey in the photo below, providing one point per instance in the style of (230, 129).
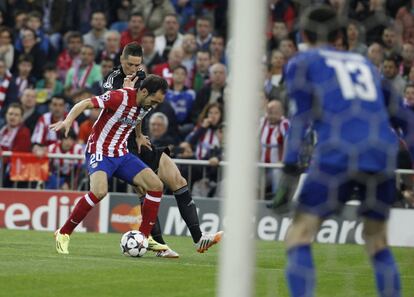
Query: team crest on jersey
(107, 85)
(105, 97)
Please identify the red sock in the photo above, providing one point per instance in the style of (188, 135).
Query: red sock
(149, 211)
(82, 208)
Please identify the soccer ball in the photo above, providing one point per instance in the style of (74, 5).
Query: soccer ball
(134, 244)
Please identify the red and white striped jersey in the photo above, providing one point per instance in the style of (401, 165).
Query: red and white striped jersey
(119, 116)
(206, 142)
(272, 139)
(45, 136)
(64, 165)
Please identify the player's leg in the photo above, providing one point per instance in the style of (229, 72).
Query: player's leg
(137, 173)
(385, 268)
(376, 213)
(99, 169)
(300, 271)
(171, 176)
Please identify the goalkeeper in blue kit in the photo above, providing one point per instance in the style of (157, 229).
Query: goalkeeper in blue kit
(341, 95)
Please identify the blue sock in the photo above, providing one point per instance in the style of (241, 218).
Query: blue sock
(300, 273)
(386, 274)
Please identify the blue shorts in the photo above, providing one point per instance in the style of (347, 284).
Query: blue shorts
(125, 167)
(324, 194)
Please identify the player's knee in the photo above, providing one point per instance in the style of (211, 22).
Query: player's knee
(100, 192)
(155, 184)
(179, 182)
(375, 239)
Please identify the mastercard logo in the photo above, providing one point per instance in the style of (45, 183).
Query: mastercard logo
(125, 217)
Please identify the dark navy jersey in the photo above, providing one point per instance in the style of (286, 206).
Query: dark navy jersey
(341, 95)
(114, 80)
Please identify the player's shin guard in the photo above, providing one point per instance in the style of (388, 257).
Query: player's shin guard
(188, 212)
(150, 211)
(386, 274)
(300, 272)
(82, 208)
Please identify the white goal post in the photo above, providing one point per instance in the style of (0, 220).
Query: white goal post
(237, 253)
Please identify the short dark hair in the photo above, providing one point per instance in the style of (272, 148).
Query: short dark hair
(149, 34)
(204, 51)
(58, 97)
(15, 105)
(154, 83)
(393, 57)
(132, 49)
(107, 59)
(181, 67)
(204, 18)
(138, 14)
(321, 24)
(35, 14)
(25, 58)
(49, 66)
(73, 35)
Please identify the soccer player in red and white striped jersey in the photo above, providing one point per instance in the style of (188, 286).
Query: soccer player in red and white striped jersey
(107, 154)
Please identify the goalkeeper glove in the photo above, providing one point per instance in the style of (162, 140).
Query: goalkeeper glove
(286, 188)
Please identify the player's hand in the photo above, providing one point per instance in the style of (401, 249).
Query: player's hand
(130, 80)
(65, 125)
(286, 189)
(143, 140)
(409, 196)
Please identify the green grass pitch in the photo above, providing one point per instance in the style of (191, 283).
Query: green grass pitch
(29, 266)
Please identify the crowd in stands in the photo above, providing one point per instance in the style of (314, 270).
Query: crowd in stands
(54, 53)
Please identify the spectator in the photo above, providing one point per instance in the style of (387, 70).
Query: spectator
(96, 36)
(31, 47)
(154, 12)
(151, 56)
(189, 48)
(171, 37)
(354, 41)
(23, 79)
(71, 54)
(407, 54)
(391, 73)
(204, 137)
(185, 11)
(48, 86)
(404, 23)
(6, 47)
(42, 135)
(217, 50)
(106, 67)
(158, 127)
(80, 13)
(14, 136)
(376, 54)
(111, 49)
(30, 111)
(409, 96)
(181, 100)
(390, 41)
(34, 22)
(136, 30)
(212, 92)
(273, 129)
(84, 74)
(164, 70)
(123, 11)
(85, 128)
(5, 80)
(79, 96)
(277, 63)
(204, 28)
(201, 75)
(279, 32)
(288, 48)
(283, 11)
(64, 172)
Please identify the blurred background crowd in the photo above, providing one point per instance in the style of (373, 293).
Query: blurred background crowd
(54, 53)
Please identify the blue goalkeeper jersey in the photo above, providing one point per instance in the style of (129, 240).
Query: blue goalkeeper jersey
(341, 96)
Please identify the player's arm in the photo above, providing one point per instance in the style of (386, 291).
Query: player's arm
(76, 110)
(141, 139)
(299, 92)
